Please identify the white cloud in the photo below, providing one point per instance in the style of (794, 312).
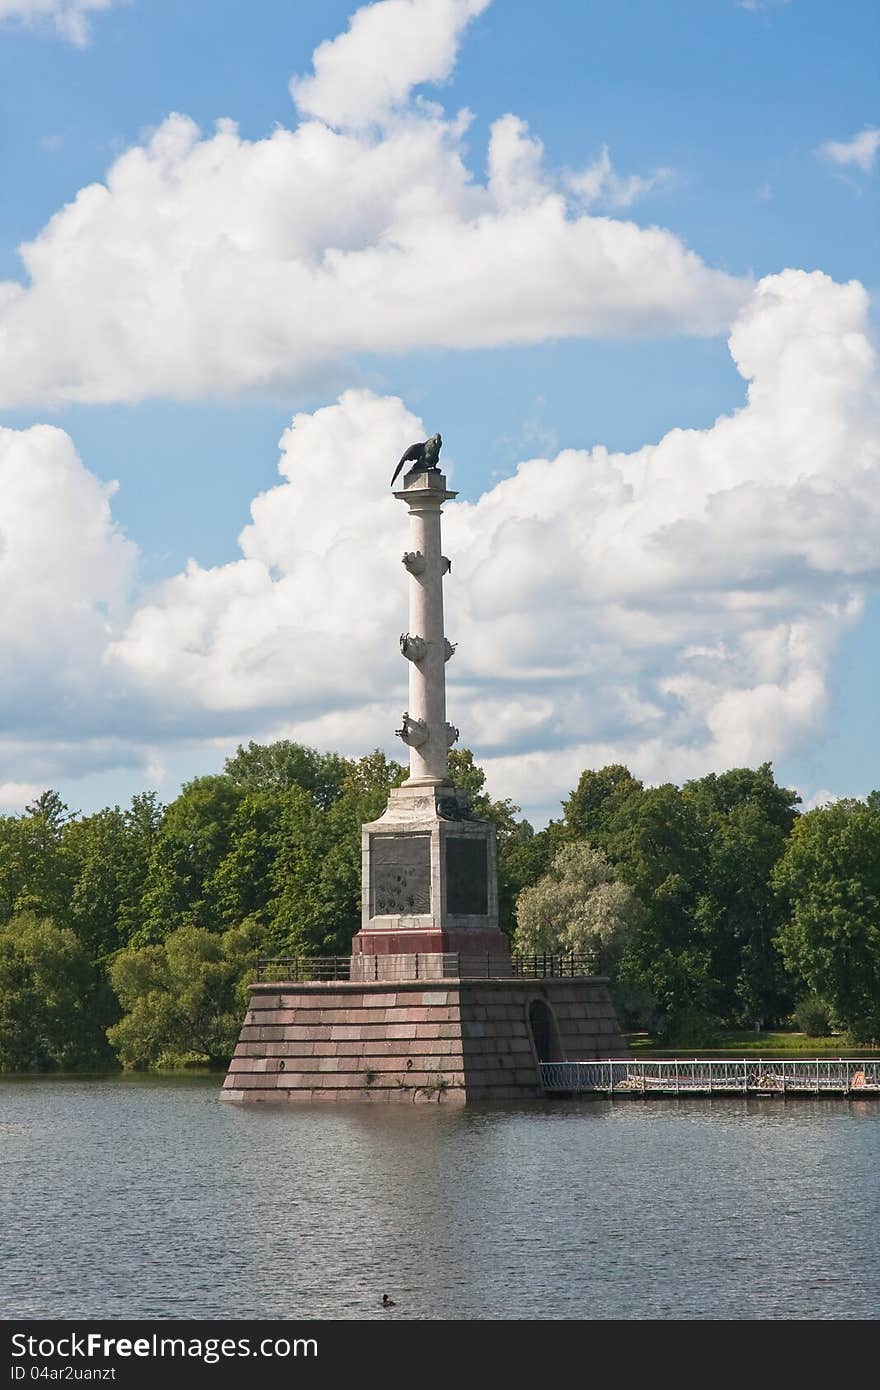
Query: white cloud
(15, 795)
(65, 574)
(218, 264)
(676, 608)
(820, 798)
(69, 17)
(861, 150)
(369, 71)
(599, 184)
(287, 626)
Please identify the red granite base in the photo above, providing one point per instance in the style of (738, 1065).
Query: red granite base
(447, 1041)
(408, 942)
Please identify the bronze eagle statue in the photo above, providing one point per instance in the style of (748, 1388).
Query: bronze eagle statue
(421, 456)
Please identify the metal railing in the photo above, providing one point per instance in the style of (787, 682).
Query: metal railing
(540, 966)
(415, 966)
(761, 1076)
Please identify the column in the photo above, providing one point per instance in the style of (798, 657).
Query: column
(425, 729)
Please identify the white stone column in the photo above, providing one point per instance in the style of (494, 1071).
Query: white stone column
(425, 729)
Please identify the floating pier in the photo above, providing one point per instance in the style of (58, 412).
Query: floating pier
(762, 1076)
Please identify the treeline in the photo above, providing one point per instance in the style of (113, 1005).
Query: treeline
(129, 935)
(741, 910)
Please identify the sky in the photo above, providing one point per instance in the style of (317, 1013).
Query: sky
(623, 257)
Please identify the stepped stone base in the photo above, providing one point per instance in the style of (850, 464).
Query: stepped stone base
(449, 1040)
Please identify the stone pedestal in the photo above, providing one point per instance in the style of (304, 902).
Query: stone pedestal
(429, 880)
(446, 1041)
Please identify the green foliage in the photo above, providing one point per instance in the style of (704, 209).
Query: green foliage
(373, 776)
(191, 843)
(813, 1016)
(746, 820)
(52, 1004)
(689, 1027)
(274, 840)
(183, 996)
(468, 777)
(654, 838)
(464, 772)
(35, 871)
(744, 902)
(316, 909)
(579, 906)
(240, 887)
(523, 857)
(700, 858)
(50, 809)
(744, 1043)
(277, 767)
(830, 877)
(725, 792)
(593, 807)
(108, 855)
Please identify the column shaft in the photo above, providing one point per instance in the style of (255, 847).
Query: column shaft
(427, 678)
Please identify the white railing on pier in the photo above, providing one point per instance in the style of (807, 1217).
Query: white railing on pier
(749, 1076)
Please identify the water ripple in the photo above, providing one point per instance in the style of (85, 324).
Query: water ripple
(147, 1197)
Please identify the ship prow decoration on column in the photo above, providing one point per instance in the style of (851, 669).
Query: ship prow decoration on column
(430, 894)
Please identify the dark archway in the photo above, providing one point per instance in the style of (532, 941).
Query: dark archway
(545, 1034)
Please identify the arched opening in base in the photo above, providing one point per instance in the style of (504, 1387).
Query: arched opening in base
(545, 1033)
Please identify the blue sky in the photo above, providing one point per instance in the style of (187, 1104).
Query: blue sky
(723, 111)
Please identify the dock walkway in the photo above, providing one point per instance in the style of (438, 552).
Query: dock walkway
(750, 1076)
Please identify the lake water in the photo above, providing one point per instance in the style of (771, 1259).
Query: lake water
(148, 1197)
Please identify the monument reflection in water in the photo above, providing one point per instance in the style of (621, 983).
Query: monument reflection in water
(433, 1008)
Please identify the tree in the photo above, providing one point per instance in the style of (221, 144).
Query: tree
(276, 767)
(241, 886)
(275, 840)
(830, 877)
(592, 808)
(187, 850)
(746, 818)
(700, 860)
(50, 809)
(35, 872)
(108, 856)
(96, 846)
(53, 1008)
(316, 907)
(723, 792)
(469, 777)
(184, 996)
(523, 858)
(579, 906)
(464, 773)
(655, 840)
(143, 821)
(373, 776)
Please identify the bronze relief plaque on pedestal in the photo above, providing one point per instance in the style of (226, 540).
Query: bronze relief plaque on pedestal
(467, 876)
(400, 875)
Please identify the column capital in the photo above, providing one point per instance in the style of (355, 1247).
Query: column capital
(424, 489)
